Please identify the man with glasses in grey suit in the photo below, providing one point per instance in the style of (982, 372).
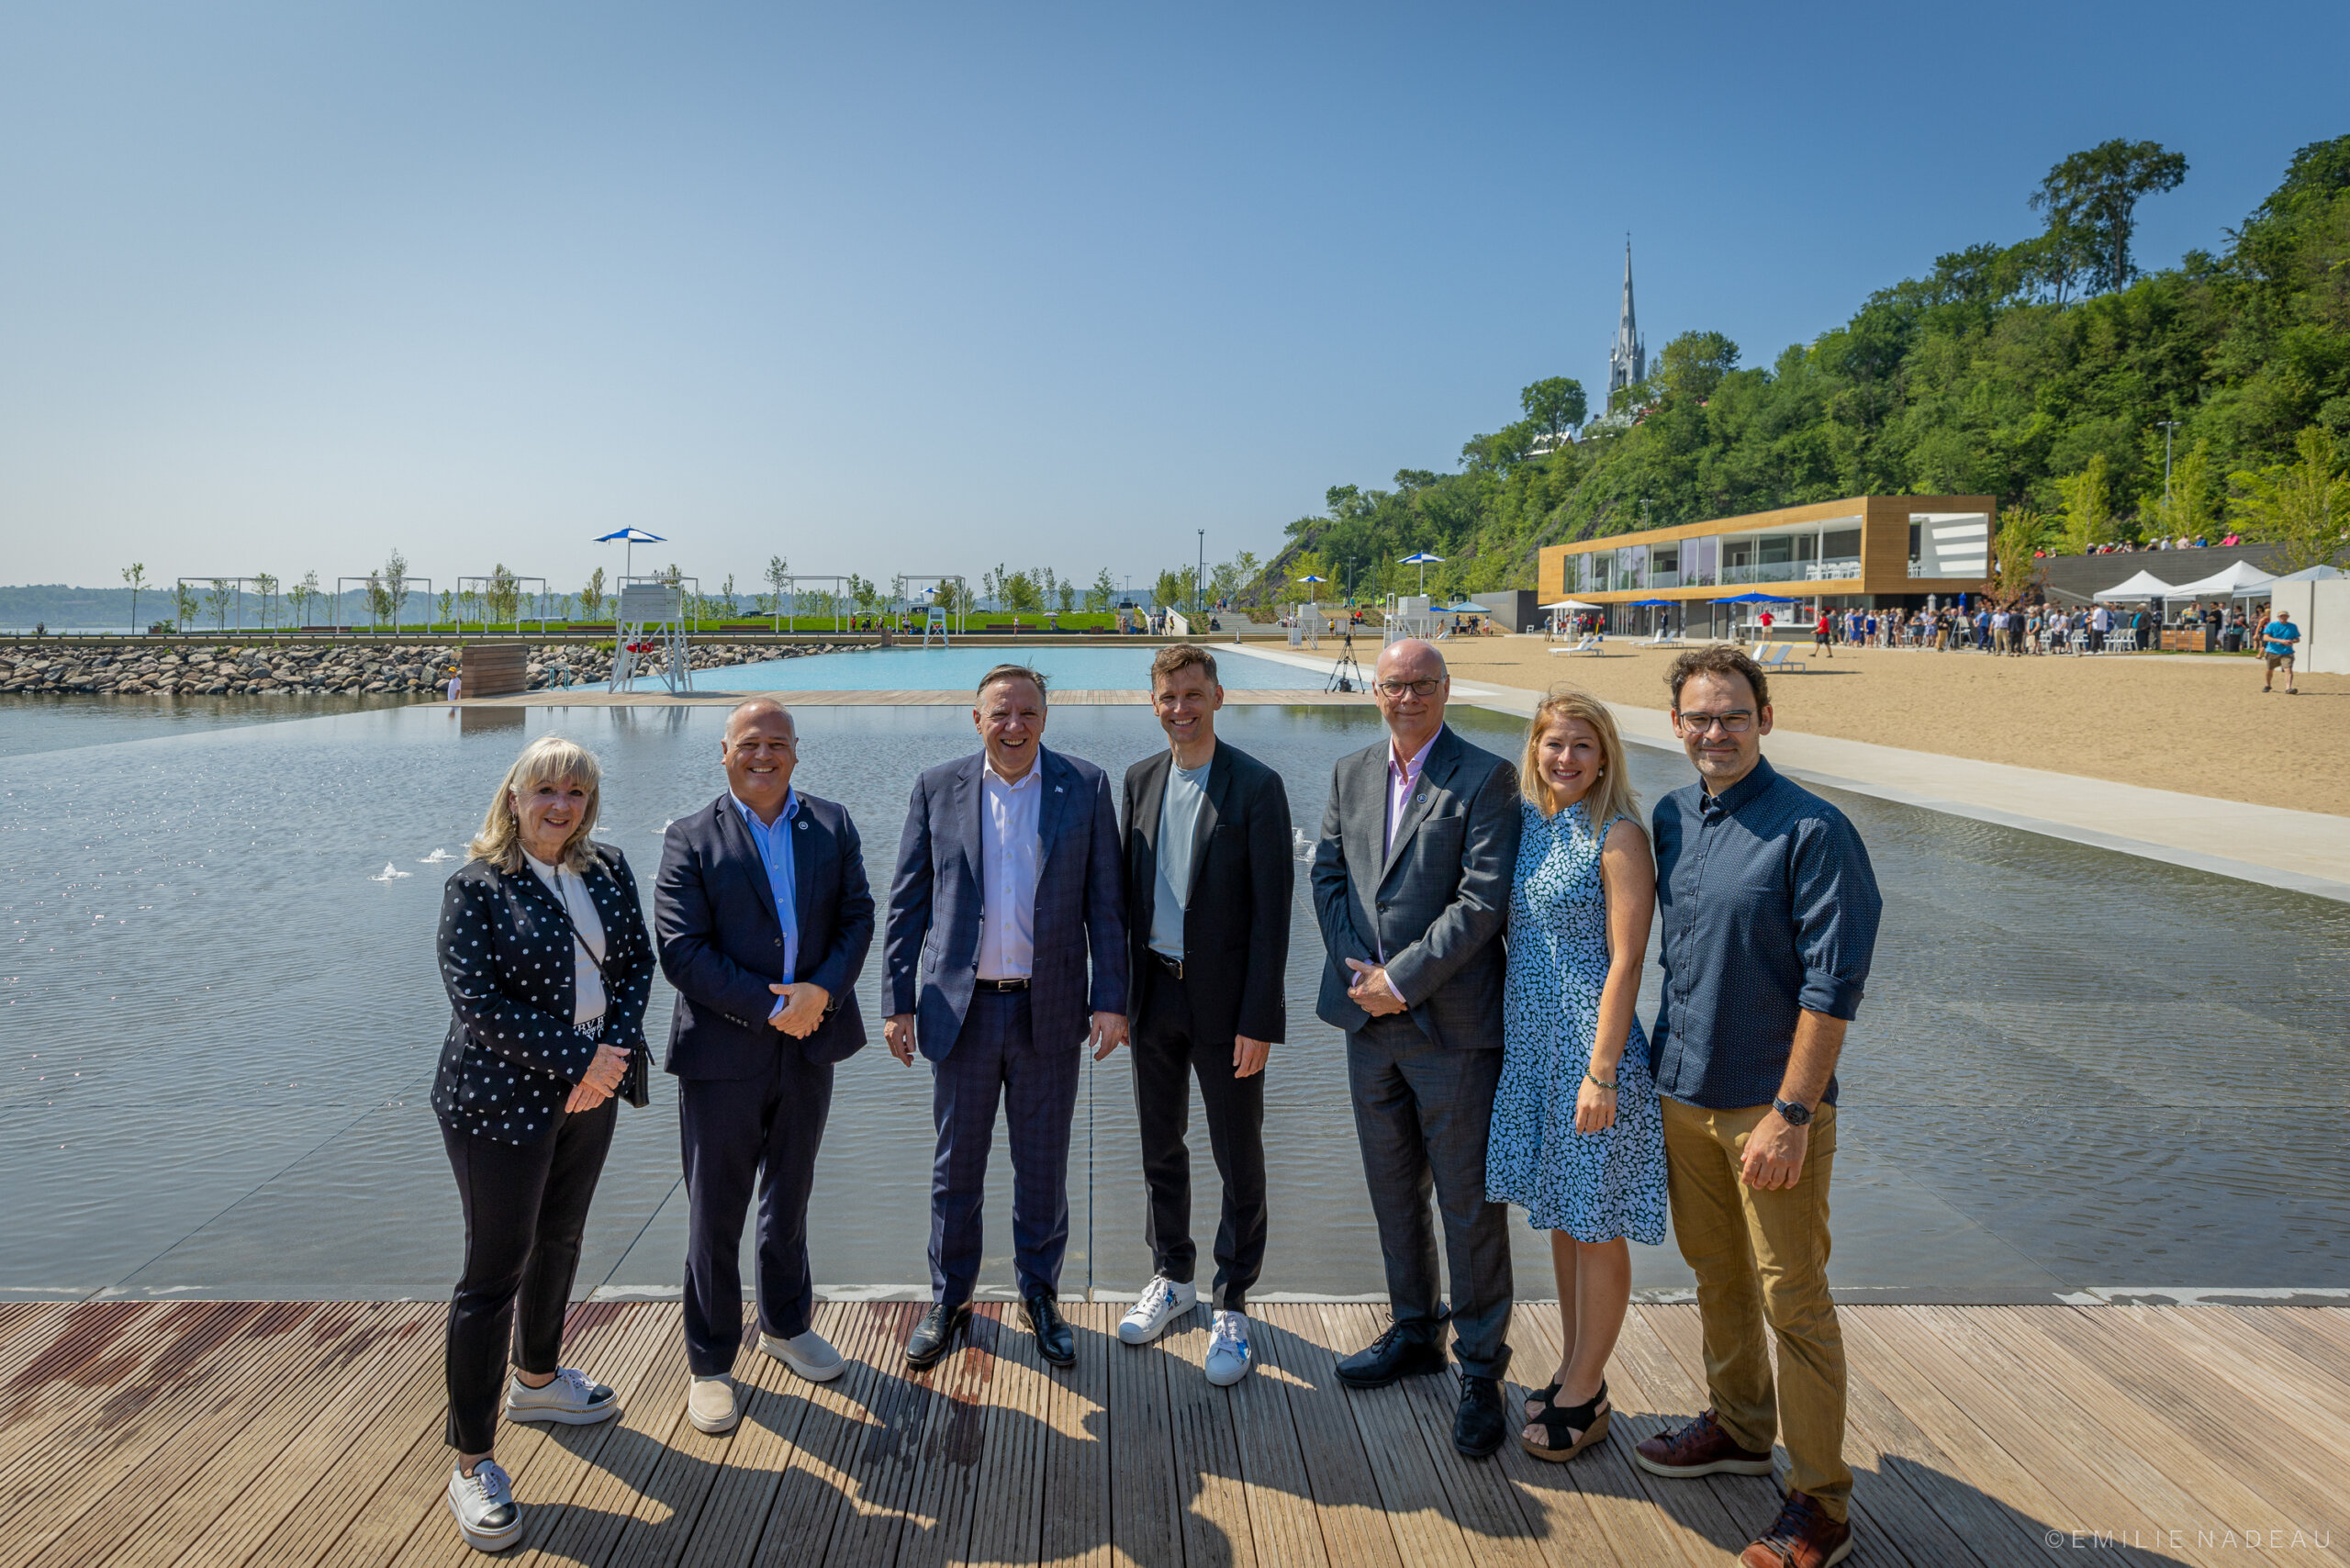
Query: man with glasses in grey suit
(1411, 885)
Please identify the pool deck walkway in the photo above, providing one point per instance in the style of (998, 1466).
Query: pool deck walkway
(281, 1434)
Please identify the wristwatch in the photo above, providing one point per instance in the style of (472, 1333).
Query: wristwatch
(1792, 1112)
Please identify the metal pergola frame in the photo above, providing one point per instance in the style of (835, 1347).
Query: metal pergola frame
(179, 583)
(542, 596)
(362, 579)
(791, 591)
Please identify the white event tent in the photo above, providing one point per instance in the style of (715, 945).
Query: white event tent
(2145, 585)
(2235, 582)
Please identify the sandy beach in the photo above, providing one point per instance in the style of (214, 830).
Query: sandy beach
(2194, 724)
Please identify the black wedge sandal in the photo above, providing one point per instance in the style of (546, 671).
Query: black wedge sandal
(1543, 1398)
(1588, 1420)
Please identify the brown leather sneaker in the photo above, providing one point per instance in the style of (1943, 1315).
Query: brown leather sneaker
(1802, 1537)
(1701, 1448)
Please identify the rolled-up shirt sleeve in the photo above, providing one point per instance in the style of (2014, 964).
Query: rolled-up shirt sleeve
(1836, 905)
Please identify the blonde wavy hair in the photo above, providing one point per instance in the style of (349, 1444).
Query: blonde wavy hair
(546, 758)
(1610, 795)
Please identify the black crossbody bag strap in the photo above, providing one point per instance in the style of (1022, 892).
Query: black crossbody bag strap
(634, 1087)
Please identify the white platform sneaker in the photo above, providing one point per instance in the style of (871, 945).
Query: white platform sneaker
(574, 1399)
(1228, 1358)
(1163, 1301)
(484, 1503)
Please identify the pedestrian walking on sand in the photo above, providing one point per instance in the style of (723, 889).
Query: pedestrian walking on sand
(2276, 640)
(1771, 916)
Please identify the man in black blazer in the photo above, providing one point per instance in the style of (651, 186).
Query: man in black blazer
(1210, 873)
(763, 920)
(1411, 884)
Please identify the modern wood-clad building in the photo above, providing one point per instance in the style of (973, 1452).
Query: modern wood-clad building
(1865, 551)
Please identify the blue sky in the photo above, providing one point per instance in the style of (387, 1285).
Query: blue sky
(891, 289)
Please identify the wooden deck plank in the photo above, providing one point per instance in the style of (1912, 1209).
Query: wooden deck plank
(1212, 1495)
(1592, 1509)
(1884, 1506)
(1354, 1526)
(1985, 1427)
(1007, 1510)
(1147, 1522)
(1076, 1429)
(187, 1388)
(2114, 1387)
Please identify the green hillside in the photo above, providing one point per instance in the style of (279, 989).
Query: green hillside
(2038, 373)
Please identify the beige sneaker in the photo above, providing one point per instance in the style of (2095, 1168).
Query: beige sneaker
(710, 1405)
(810, 1354)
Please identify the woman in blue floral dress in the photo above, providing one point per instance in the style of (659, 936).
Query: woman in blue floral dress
(1577, 1137)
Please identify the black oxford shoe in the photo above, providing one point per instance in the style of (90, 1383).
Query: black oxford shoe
(1406, 1350)
(936, 1333)
(1054, 1342)
(1481, 1423)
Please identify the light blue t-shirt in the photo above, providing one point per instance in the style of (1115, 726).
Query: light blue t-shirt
(2281, 636)
(1178, 830)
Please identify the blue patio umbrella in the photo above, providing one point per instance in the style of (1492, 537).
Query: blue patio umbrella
(632, 537)
(1311, 597)
(1755, 599)
(1423, 560)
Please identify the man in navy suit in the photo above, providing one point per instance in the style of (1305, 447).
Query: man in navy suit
(1008, 876)
(764, 919)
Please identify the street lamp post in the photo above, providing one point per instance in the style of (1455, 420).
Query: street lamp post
(2169, 426)
(1198, 574)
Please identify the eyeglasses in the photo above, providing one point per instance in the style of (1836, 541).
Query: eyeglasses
(1735, 723)
(1398, 687)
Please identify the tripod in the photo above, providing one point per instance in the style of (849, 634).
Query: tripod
(1346, 674)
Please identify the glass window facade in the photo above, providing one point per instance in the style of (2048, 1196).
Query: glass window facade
(1828, 551)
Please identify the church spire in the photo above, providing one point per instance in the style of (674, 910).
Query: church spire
(1627, 357)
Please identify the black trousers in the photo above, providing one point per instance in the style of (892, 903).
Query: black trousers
(1424, 1117)
(1166, 1056)
(526, 1204)
(738, 1133)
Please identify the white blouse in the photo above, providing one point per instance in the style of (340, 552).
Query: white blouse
(588, 980)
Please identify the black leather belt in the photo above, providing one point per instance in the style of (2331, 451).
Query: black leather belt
(1172, 966)
(1002, 984)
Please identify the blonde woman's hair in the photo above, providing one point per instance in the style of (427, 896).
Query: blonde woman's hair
(1610, 795)
(548, 757)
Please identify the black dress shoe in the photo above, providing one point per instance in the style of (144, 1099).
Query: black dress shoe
(1054, 1342)
(1481, 1423)
(1406, 1350)
(935, 1334)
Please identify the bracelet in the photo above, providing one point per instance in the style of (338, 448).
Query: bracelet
(1600, 1082)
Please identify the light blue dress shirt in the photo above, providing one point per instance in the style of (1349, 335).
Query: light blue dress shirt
(774, 853)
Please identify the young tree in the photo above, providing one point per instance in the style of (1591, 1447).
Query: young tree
(1173, 589)
(1554, 406)
(1021, 591)
(591, 597)
(135, 574)
(1064, 596)
(265, 584)
(447, 606)
(778, 577)
(2088, 512)
(863, 594)
(218, 599)
(379, 600)
(2187, 511)
(395, 588)
(1102, 594)
(1693, 365)
(2094, 195)
(2013, 567)
(2303, 506)
(298, 596)
(503, 596)
(726, 597)
(183, 606)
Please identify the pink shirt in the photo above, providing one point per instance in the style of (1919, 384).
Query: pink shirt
(1403, 777)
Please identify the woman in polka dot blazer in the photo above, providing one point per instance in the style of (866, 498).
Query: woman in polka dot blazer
(544, 951)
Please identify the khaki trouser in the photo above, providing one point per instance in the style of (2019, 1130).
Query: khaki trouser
(1761, 1257)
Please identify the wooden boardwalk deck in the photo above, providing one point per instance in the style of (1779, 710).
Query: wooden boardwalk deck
(281, 1434)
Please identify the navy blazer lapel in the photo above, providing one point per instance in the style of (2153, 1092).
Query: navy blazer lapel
(1150, 800)
(1437, 769)
(804, 874)
(973, 809)
(1052, 810)
(734, 835)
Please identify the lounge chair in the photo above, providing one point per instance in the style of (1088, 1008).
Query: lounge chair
(1774, 659)
(1590, 644)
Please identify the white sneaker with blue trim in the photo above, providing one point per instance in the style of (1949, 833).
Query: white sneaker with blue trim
(1163, 1301)
(1228, 1356)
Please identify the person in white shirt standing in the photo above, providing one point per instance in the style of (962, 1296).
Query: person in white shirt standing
(1008, 878)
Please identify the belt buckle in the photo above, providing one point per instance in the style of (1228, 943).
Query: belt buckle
(1172, 966)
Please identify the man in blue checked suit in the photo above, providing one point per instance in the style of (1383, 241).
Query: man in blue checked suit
(764, 919)
(1008, 876)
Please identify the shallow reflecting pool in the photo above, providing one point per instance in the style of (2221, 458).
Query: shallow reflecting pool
(220, 1012)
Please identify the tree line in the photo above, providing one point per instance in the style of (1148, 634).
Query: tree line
(2098, 401)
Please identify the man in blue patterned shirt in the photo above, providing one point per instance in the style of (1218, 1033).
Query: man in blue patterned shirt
(1770, 915)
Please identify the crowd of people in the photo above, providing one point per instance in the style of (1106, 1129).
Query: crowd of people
(1484, 923)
